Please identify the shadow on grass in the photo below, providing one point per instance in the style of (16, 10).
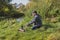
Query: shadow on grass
(2, 37)
(45, 27)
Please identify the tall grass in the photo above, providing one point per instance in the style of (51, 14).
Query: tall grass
(9, 30)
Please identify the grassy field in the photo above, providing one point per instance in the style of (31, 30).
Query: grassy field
(49, 10)
(9, 31)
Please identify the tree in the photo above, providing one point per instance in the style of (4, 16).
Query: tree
(5, 7)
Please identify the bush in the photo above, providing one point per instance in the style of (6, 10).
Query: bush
(54, 36)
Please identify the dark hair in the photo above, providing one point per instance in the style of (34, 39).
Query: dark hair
(34, 12)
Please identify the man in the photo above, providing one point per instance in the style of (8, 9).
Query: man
(36, 21)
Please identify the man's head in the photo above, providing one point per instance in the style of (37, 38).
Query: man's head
(34, 13)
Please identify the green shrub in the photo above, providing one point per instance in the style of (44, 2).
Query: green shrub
(54, 36)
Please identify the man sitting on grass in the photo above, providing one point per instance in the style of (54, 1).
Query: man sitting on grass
(36, 21)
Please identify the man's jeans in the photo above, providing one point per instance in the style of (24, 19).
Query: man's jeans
(36, 27)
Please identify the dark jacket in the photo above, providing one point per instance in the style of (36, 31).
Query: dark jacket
(36, 20)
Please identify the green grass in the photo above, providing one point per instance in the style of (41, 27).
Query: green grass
(9, 31)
